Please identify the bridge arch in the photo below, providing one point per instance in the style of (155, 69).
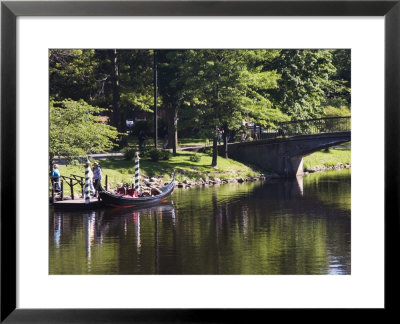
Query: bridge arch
(284, 155)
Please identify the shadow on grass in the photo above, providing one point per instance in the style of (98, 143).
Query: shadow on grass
(162, 167)
(332, 149)
(343, 148)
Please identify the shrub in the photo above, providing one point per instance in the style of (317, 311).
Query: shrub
(74, 162)
(130, 154)
(156, 155)
(195, 158)
(144, 152)
(342, 111)
(166, 155)
(208, 151)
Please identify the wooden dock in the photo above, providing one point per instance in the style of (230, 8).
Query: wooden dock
(76, 204)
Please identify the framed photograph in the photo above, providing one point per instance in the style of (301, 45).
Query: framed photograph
(284, 236)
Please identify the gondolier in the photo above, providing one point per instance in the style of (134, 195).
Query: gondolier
(97, 174)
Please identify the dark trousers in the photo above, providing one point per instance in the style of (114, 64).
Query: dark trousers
(57, 182)
(97, 185)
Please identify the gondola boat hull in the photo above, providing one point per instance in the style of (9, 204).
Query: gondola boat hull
(115, 200)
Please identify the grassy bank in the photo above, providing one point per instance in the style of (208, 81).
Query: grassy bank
(120, 170)
(328, 158)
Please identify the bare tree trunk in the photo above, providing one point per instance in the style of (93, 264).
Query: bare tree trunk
(51, 158)
(215, 152)
(172, 116)
(225, 137)
(116, 118)
(123, 138)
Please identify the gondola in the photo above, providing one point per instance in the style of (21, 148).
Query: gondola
(118, 200)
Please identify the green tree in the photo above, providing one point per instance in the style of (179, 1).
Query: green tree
(76, 129)
(173, 85)
(229, 86)
(73, 74)
(342, 63)
(306, 79)
(119, 80)
(127, 84)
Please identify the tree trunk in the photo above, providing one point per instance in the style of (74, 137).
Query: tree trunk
(172, 116)
(51, 162)
(123, 140)
(225, 137)
(116, 118)
(215, 152)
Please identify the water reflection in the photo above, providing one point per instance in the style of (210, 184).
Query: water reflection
(57, 228)
(282, 227)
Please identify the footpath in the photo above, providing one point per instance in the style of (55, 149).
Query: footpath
(99, 156)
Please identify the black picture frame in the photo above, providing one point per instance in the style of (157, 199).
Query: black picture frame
(10, 10)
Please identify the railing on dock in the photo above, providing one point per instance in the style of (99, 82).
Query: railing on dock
(71, 181)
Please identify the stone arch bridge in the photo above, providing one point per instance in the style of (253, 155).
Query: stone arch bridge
(284, 153)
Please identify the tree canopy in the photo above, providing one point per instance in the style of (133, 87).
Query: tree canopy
(77, 129)
(204, 89)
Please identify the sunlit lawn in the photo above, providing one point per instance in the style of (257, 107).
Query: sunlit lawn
(120, 170)
(328, 158)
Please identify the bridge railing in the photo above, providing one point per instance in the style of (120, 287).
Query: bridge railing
(309, 126)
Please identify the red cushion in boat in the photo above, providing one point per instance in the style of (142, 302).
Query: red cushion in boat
(132, 193)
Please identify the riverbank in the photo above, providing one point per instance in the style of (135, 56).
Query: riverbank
(189, 170)
(199, 172)
(334, 158)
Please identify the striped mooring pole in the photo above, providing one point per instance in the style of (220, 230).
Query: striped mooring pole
(137, 172)
(87, 192)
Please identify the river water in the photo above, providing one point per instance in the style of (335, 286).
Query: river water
(281, 227)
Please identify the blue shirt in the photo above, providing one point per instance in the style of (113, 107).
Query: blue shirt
(55, 173)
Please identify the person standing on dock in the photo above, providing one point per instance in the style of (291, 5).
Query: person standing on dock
(97, 178)
(55, 177)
